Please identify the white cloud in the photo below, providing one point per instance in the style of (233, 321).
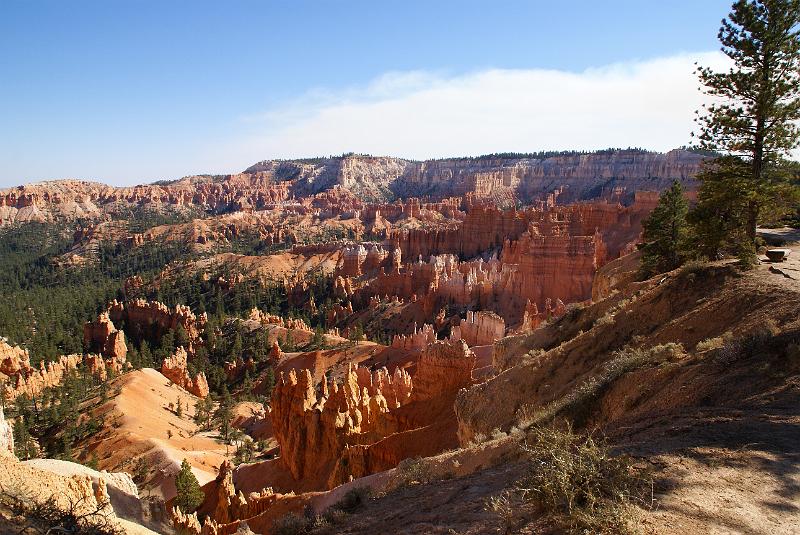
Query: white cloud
(420, 115)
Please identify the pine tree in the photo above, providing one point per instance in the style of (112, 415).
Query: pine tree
(318, 340)
(22, 439)
(268, 383)
(665, 233)
(356, 333)
(224, 414)
(202, 412)
(189, 494)
(181, 337)
(751, 123)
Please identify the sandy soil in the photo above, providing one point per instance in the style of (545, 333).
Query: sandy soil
(139, 423)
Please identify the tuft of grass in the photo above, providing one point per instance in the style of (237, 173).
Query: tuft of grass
(578, 483)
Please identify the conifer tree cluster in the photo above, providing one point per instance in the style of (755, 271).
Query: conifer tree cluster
(751, 127)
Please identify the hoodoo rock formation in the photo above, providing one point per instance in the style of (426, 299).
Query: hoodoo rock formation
(175, 369)
(371, 420)
(151, 319)
(418, 340)
(479, 328)
(18, 376)
(103, 337)
(13, 359)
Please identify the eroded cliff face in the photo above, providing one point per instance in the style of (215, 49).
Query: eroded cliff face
(479, 328)
(151, 319)
(18, 376)
(575, 177)
(370, 420)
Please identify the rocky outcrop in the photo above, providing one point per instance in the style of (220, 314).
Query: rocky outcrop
(103, 337)
(358, 260)
(552, 263)
(312, 428)
(275, 353)
(13, 359)
(479, 328)
(417, 340)
(265, 318)
(228, 511)
(320, 429)
(533, 317)
(32, 380)
(149, 320)
(174, 368)
(444, 367)
(6, 436)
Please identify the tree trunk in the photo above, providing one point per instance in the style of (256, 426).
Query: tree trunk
(752, 221)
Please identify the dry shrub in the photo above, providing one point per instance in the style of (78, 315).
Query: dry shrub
(692, 268)
(762, 340)
(293, 524)
(713, 344)
(353, 499)
(577, 405)
(578, 484)
(412, 471)
(573, 311)
(505, 507)
(325, 523)
(46, 515)
(607, 319)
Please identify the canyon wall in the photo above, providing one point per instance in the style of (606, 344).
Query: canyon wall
(608, 174)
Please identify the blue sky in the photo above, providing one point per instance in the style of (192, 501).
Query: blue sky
(130, 92)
